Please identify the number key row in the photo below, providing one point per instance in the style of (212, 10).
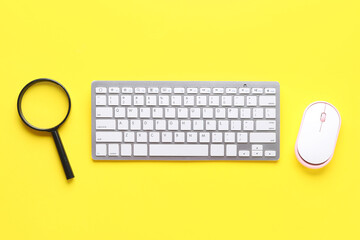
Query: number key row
(177, 100)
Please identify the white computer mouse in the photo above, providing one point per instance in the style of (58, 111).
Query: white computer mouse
(319, 130)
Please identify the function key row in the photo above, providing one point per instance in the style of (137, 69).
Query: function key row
(168, 90)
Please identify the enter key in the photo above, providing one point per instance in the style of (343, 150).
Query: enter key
(265, 125)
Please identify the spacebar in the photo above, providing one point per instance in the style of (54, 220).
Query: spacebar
(175, 150)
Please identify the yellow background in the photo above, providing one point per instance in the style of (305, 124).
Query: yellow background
(312, 47)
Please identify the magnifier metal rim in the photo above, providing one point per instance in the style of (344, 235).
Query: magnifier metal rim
(27, 86)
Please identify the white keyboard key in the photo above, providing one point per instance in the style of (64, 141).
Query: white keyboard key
(229, 137)
(157, 112)
(245, 113)
(244, 153)
(230, 90)
(113, 100)
(192, 90)
(105, 124)
(191, 137)
(218, 90)
(173, 125)
(164, 100)
(179, 90)
(239, 101)
(151, 100)
(104, 112)
(262, 137)
(141, 137)
(114, 90)
(139, 100)
(195, 112)
(178, 150)
(204, 137)
(242, 137)
(226, 101)
(208, 112)
(233, 113)
(169, 112)
(129, 137)
(270, 90)
(140, 150)
(231, 150)
(216, 137)
(265, 125)
(223, 125)
(182, 113)
(123, 124)
(140, 90)
(189, 100)
(132, 112)
(185, 125)
(100, 100)
(176, 100)
(217, 150)
(256, 153)
(126, 100)
(235, 125)
(267, 100)
(154, 137)
(205, 90)
(135, 124)
(153, 90)
(160, 125)
(220, 112)
(244, 90)
(248, 125)
(166, 137)
(166, 90)
(126, 90)
(270, 113)
(108, 136)
(270, 153)
(214, 101)
(256, 147)
(126, 150)
(179, 137)
(198, 125)
(101, 150)
(257, 90)
(201, 100)
(148, 124)
(100, 90)
(119, 112)
(145, 112)
(251, 101)
(210, 125)
(258, 112)
(113, 150)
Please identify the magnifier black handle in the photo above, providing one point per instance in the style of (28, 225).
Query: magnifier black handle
(64, 160)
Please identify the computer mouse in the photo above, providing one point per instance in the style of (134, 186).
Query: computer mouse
(318, 134)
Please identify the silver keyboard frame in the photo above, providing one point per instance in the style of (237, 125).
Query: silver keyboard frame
(189, 84)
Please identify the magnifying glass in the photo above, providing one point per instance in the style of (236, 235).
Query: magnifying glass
(44, 105)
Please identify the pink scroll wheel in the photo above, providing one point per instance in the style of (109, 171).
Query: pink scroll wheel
(323, 117)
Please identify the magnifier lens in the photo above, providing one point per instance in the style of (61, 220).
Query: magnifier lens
(45, 105)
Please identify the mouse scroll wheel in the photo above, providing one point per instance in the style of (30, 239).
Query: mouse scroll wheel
(323, 117)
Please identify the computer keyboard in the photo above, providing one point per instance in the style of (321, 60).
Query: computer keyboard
(185, 120)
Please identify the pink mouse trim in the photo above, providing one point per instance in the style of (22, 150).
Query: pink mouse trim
(298, 156)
